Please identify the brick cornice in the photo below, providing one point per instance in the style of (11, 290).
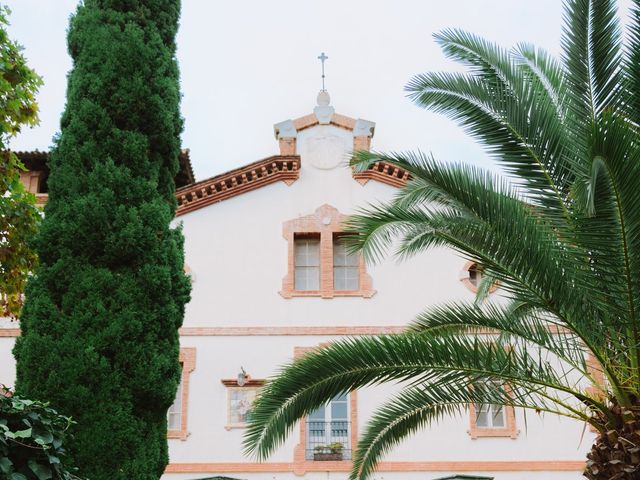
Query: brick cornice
(384, 172)
(235, 182)
(386, 466)
(295, 331)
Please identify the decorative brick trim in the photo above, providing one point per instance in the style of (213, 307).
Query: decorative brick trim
(326, 221)
(464, 278)
(188, 362)
(337, 120)
(461, 466)
(9, 332)
(238, 181)
(277, 331)
(382, 172)
(300, 464)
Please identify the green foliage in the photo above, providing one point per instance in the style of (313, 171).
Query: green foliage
(559, 230)
(100, 323)
(19, 217)
(32, 439)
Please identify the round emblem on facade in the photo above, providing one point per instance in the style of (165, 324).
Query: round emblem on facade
(325, 152)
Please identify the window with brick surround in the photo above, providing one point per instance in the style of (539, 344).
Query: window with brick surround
(472, 275)
(319, 263)
(177, 413)
(489, 420)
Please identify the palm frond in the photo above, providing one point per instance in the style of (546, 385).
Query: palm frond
(350, 364)
(419, 407)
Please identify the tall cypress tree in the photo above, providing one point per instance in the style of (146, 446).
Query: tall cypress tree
(100, 324)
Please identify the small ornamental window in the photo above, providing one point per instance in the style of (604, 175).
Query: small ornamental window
(240, 400)
(472, 275)
(240, 404)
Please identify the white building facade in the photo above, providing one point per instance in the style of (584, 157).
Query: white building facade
(272, 281)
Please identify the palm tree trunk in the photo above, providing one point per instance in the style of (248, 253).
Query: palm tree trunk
(615, 455)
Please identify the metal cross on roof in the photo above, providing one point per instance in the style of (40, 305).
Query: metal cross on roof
(322, 57)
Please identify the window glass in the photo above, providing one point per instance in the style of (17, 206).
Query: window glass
(475, 275)
(307, 263)
(346, 267)
(174, 414)
(490, 416)
(328, 431)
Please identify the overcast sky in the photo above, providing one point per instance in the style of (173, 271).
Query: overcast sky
(246, 65)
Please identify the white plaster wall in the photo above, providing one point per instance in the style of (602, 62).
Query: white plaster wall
(7, 363)
(238, 256)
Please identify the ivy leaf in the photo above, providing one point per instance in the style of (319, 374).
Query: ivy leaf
(21, 433)
(43, 472)
(42, 437)
(17, 476)
(6, 465)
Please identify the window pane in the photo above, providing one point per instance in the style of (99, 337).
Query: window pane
(475, 275)
(307, 264)
(307, 278)
(482, 417)
(339, 410)
(346, 274)
(497, 419)
(174, 414)
(174, 421)
(346, 278)
(317, 415)
(340, 398)
(341, 256)
(307, 252)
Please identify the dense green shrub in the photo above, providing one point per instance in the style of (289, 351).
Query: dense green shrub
(100, 323)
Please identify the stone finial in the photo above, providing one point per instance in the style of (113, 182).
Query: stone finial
(324, 111)
(323, 98)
